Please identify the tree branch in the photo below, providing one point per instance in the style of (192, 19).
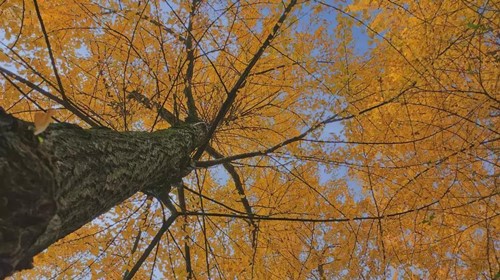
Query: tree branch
(66, 103)
(188, 80)
(332, 119)
(49, 49)
(165, 226)
(242, 79)
(162, 112)
(237, 181)
(339, 220)
(187, 249)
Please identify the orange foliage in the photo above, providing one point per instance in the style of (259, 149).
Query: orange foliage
(383, 116)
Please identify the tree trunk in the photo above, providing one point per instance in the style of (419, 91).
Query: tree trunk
(54, 183)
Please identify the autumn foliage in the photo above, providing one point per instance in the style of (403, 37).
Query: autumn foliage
(349, 139)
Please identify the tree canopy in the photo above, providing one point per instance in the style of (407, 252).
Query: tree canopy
(345, 139)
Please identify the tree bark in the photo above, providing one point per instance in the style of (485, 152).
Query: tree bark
(54, 183)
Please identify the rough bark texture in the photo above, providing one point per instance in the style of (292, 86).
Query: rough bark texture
(54, 183)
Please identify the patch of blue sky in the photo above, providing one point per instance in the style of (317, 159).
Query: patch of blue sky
(362, 46)
(489, 163)
(139, 126)
(4, 48)
(219, 175)
(83, 51)
(326, 173)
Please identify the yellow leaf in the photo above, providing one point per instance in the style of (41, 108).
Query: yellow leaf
(42, 120)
